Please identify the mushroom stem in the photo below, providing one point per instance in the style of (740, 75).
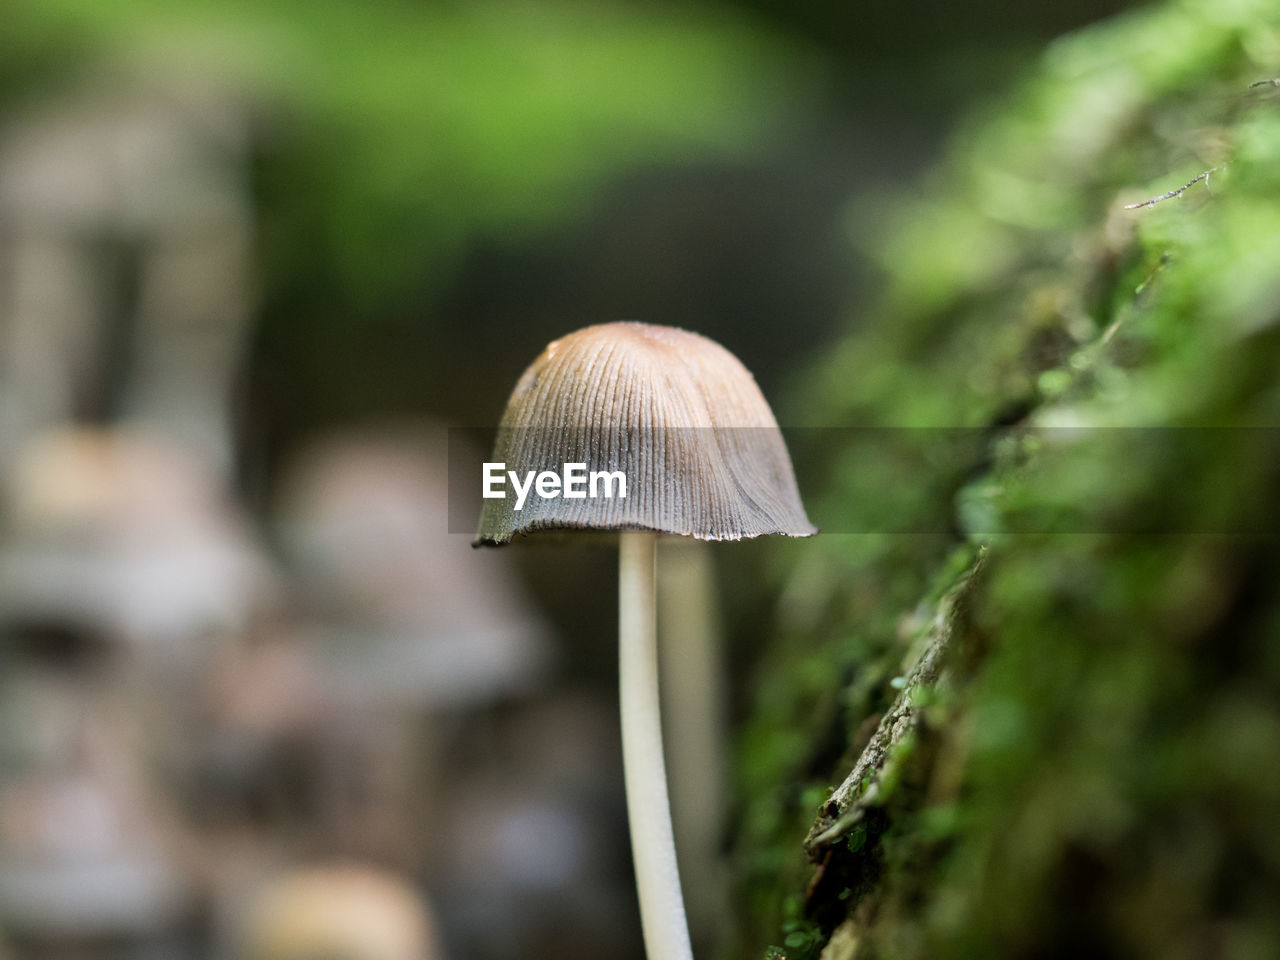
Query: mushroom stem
(690, 676)
(666, 933)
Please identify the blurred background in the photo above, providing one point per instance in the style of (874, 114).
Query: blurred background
(254, 261)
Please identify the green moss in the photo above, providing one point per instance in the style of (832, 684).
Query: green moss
(1097, 775)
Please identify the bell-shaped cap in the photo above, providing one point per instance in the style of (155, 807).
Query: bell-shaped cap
(676, 414)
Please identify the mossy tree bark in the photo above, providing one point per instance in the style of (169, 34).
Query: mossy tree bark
(1051, 727)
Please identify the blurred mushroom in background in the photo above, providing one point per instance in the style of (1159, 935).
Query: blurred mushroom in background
(535, 833)
(94, 860)
(406, 612)
(124, 570)
(339, 912)
(263, 742)
(695, 725)
(126, 566)
(329, 732)
(126, 537)
(125, 243)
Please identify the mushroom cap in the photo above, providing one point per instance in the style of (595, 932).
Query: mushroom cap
(343, 911)
(397, 615)
(675, 412)
(123, 534)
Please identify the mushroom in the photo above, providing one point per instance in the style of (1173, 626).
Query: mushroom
(699, 453)
(363, 518)
(340, 910)
(122, 535)
(694, 689)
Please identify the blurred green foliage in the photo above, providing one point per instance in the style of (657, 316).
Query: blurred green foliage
(1099, 775)
(394, 131)
(391, 140)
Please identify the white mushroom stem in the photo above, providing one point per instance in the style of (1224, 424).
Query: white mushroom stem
(666, 933)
